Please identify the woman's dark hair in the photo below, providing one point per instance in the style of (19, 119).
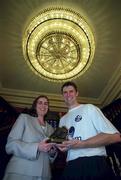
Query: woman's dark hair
(69, 83)
(33, 107)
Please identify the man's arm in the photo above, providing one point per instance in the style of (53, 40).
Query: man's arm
(101, 139)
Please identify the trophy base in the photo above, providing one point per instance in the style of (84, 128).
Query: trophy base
(58, 141)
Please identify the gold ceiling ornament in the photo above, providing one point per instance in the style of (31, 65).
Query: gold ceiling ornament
(58, 44)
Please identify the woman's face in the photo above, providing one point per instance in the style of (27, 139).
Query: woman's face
(42, 106)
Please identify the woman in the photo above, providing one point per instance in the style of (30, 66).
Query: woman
(27, 143)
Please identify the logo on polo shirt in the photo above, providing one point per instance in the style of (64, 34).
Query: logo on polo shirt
(78, 118)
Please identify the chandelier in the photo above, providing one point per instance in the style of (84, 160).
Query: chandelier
(58, 44)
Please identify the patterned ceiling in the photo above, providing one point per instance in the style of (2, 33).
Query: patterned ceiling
(99, 84)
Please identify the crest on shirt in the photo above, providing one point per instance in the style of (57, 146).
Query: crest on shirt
(78, 118)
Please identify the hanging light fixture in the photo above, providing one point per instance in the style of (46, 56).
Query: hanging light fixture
(58, 44)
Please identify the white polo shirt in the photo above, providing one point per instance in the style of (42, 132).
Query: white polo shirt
(83, 122)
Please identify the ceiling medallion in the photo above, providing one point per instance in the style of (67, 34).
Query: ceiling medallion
(58, 44)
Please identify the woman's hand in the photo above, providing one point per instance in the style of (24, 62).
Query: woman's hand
(44, 146)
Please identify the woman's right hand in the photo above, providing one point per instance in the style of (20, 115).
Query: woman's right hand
(44, 146)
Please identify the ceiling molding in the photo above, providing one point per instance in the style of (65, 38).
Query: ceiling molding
(24, 99)
(113, 88)
(20, 98)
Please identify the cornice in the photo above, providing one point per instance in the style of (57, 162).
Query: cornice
(113, 89)
(21, 98)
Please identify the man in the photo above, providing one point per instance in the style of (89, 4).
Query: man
(89, 131)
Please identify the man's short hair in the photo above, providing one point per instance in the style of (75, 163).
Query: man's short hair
(69, 83)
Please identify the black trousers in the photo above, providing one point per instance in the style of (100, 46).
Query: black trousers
(88, 168)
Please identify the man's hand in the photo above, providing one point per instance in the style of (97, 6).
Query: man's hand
(66, 145)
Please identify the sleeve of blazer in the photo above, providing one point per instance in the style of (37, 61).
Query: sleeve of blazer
(16, 146)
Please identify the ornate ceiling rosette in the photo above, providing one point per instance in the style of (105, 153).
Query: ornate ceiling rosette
(58, 44)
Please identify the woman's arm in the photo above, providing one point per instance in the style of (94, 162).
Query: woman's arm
(15, 143)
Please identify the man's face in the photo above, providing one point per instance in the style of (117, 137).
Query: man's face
(70, 95)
